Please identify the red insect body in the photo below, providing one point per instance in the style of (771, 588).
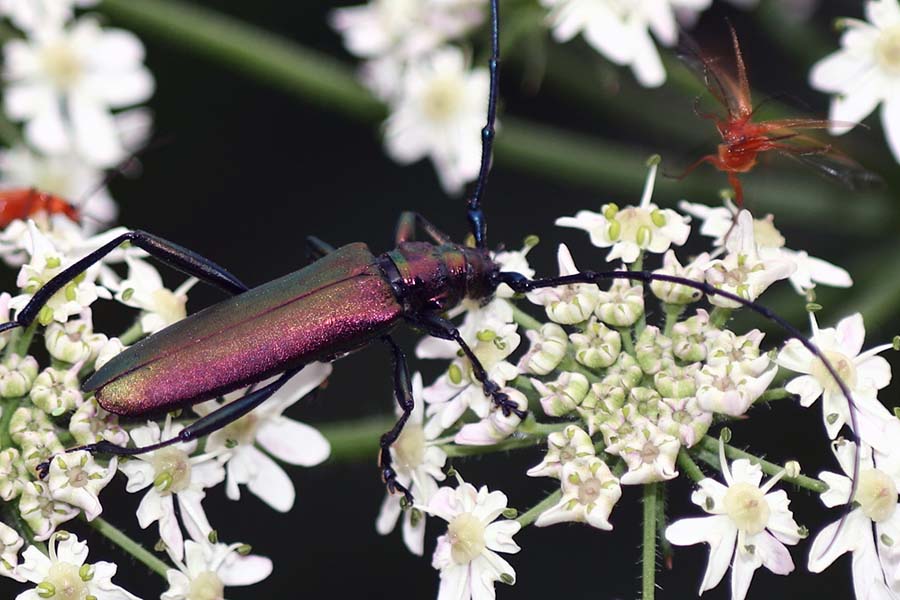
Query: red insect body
(21, 203)
(743, 139)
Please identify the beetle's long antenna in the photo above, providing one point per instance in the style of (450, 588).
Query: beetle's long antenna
(521, 284)
(476, 217)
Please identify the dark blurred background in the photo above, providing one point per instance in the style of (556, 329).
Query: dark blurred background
(250, 171)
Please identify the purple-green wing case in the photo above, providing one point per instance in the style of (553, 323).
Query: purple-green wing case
(334, 306)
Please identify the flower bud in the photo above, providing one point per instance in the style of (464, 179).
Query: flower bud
(653, 350)
(563, 447)
(626, 373)
(12, 474)
(111, 348)
(684, 419)
(676, 293)
(562, 396)
(496, 427)
(597, 346)
(645, 401)
(73, 341)
(622, 305)
(548, 347)
(17, 373)
(56, 392)
(676, 382)
(27, 422)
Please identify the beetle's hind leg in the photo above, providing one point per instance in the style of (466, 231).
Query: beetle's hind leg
(316, 248)
(403, 394)
(176, 256)
(219, 418)
(440, 327)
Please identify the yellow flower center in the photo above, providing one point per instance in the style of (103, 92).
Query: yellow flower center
(206, 586)
(842, 364)
(876, 495)
(410, 447)
(887, 50)
(62, 64)
(243, 431)
(172, 469)
(466, 536)
(746, 505)
(443, 98)
(65, 580)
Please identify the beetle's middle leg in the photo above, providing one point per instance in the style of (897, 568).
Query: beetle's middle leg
(403, 394)
(410, 221)
(441, 328)
(218, 419)
(178, 257)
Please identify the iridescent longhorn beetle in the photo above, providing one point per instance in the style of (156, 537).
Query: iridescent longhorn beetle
(342, 302)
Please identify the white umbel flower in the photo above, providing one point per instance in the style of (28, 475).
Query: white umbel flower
(748, 526)
(864, 373)
(66, 574)
(144, 289)
(589, 492)
(171, 474)
(620, 29)
(10, 543)
(566, 304)
(439, 113)
(631, 230)
(871, 530)
(29, 15)
(64, 81)
(209, 568)
(865, 72)
(467, 555)
(76, 479)
(418, 464)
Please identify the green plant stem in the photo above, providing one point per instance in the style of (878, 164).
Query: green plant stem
(132, 334)
(711, 445)
(118, 537)
(529, 517)
(523, 319)
(627, 342)
(673, 312)
(453, 450)
(24, 341)
(648, 556)
(687, 464)
(775, 394)
(355, 440)
(719, 316)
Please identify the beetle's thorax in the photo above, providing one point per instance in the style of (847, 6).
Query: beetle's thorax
(428, 277)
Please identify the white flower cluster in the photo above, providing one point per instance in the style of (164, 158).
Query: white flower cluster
(437, 100)
(620, 401)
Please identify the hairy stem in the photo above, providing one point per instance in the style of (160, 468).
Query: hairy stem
(648, 556)
(687, 464)
(531, 516)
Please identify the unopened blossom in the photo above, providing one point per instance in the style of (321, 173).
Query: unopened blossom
(622, 304)
(76, 479)
(74, 341)
(12, 474)
(27, 422)
(439, 114)
(209, 568)
(589, 492)
(45, 263)
(690, 337)
(633, 229)
(91, 423)
(63, 82)
(266, 426)
(496, 426)
(113, 347)
(466, 555)
(864, 373)
(29, 15)
(870, 530)
(740, 351)
(621, 30)
(171, 474)
(562, 396)
(10, 543)
(563, 447)
(650, 454)
(684, 419)
(653, 350)
(676, 293)
(597, 346)
(865, 72)
(744, 271)
(66, 574)
(57, 391)
(514, 261)
(548, 347)
(566, 304)
(729, 390)
(17, 374)
(419, 466)
(41, 511)
(144, 289)
(718, 222)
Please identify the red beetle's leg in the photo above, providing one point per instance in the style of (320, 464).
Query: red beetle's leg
(738, 191)
(404, 396)
(709, 158)
(219, 418)
(440, 327)
(316, 248)
(176, 256)
(410, 221)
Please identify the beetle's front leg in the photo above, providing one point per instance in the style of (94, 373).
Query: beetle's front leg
(404, 396)
(440, 327)
(180, 258)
